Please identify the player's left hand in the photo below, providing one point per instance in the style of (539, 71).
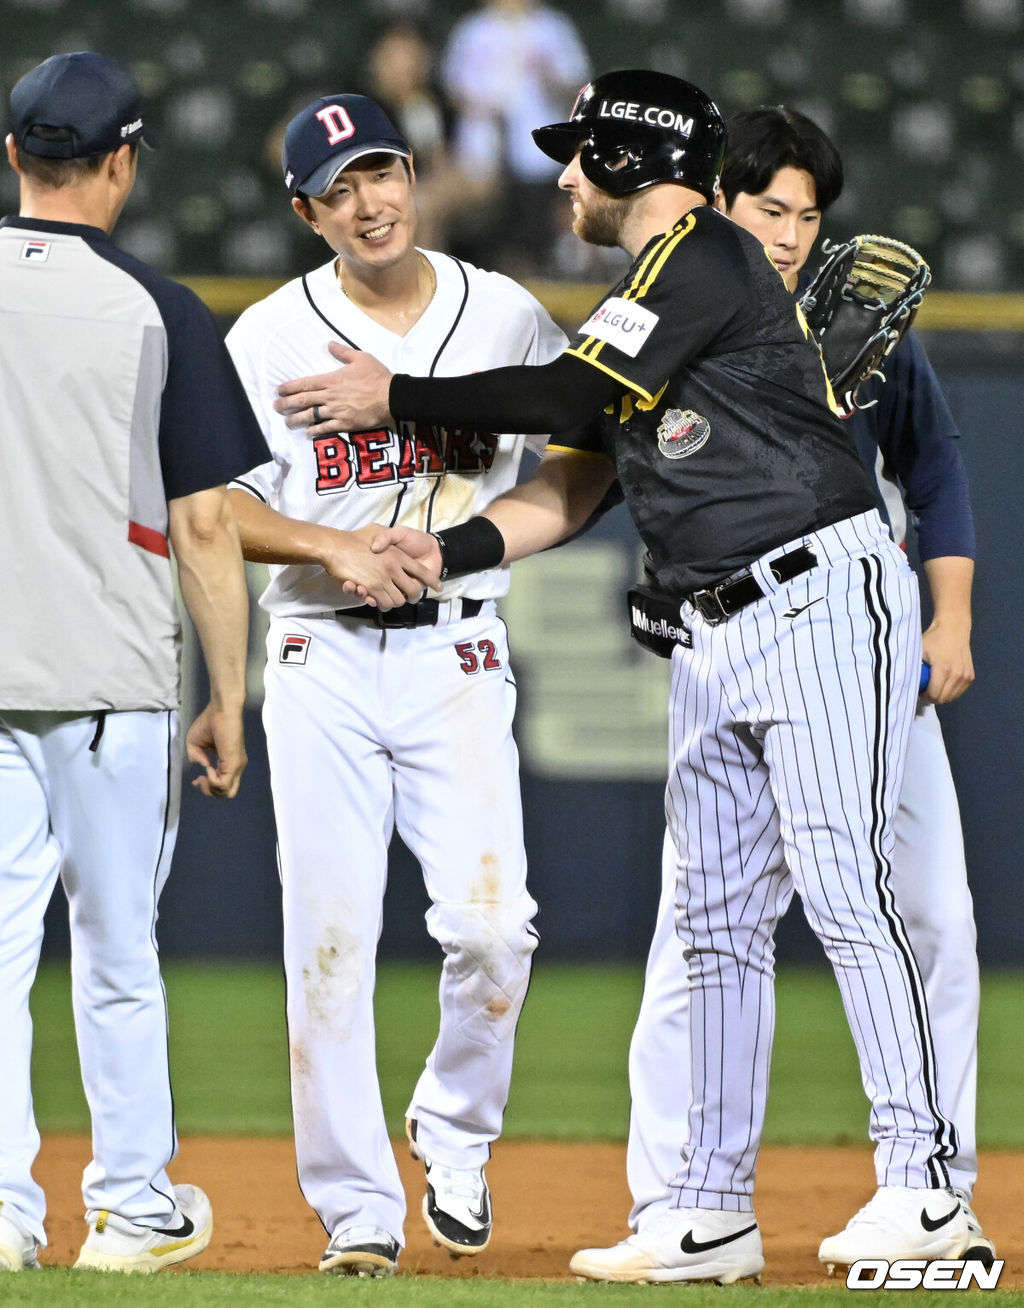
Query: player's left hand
(947, 651)
(352, 398)
(215, 741)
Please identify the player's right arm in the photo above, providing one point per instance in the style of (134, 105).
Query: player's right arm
(554, 503)
(385, 579)
(211, 574)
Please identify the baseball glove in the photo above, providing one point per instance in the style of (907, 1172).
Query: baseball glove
(859, 306)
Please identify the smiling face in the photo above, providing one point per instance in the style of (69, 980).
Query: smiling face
(368, 217)
(785, 218)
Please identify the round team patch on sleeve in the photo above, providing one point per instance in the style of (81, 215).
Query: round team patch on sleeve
(621, 323)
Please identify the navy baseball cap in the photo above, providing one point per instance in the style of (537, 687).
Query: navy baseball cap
(90, 96)
(331, 133)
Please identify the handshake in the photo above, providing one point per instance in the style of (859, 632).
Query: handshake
(383, 566)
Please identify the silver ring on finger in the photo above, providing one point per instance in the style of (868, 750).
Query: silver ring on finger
(316, 413)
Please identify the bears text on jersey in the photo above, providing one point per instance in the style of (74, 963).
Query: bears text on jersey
(378, 458)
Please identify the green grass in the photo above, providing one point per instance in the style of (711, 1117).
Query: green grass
(59, 1288)
(230, 1070)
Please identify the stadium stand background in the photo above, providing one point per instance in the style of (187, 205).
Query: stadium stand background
(924, 97)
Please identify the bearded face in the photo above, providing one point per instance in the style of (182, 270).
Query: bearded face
(598, 216)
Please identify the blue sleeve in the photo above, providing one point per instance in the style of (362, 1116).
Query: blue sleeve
(910, 423)
(208, 431)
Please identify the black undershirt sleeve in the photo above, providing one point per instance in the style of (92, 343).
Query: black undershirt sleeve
(528, 398)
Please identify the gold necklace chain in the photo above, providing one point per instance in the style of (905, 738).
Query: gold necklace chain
(424, 262)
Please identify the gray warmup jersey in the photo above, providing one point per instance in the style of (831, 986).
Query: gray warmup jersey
(116, 394)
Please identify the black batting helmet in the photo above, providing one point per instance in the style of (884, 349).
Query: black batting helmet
(637, 128)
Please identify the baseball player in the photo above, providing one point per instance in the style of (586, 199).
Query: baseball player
(380, 716)
(111, 378)
(781, 175)
(796, 679)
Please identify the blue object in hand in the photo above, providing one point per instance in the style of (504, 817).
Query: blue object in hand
(926, 673)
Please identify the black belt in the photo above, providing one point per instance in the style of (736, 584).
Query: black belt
(423, 614)
(717, 603)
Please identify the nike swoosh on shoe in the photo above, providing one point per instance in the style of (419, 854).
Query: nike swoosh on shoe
(691, 1246)
(933, 1224)
(179, 1233)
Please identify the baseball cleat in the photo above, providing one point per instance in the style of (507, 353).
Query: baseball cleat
(361, 1251)
(679, 1244)
(980, 1249)
(19, 1251)
(457, 1209)
(901, 1222)
(114, 1244)
(457, 1205)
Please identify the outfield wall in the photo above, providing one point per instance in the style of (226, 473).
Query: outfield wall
(592, 736)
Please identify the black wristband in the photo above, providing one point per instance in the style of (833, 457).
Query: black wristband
(471, 546)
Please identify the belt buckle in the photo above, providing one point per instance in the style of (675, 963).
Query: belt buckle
(423, 613)
(388, 620)
(704, 600)
(723, 612)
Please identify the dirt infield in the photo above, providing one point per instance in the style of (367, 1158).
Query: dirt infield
(549, 1201)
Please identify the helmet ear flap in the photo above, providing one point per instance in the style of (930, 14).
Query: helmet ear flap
(610, 165)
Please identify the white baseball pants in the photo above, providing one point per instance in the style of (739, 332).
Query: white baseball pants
(930, 878)
(373, 730)
(105, 820)
(788, 733)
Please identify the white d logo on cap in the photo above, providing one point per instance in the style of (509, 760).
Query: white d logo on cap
(339, 125)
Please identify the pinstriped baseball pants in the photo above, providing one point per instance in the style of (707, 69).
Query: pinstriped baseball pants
(788, 732)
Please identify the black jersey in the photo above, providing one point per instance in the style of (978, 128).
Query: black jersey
(723, 440)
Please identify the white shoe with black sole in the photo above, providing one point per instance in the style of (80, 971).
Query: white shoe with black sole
(367, 1251)
(457, 1205)
(679, 1244)
(981, 1249)
(457, 1209)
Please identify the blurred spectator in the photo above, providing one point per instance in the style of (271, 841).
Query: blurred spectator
(511, 67)
(402, 78)
(401, 75)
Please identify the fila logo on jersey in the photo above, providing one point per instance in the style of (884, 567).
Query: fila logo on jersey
(651, 114)
(35, 251)
(294, 649)
(682, 432)
(622, 324)
(376, 458)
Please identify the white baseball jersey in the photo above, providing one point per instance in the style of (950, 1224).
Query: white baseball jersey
(421, 476)
(371, 729)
